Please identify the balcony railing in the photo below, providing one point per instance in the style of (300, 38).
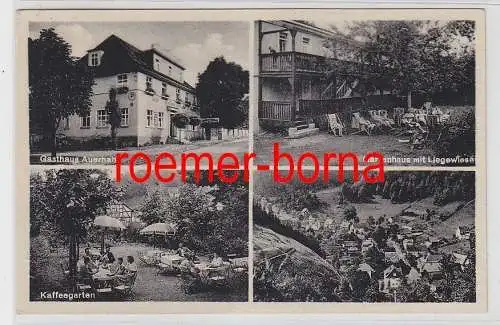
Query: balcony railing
(282, 62)
(275, 110)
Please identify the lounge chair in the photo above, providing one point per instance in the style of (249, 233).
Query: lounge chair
(335, 124)
(398, 113)
(385, 116)
(361, 124)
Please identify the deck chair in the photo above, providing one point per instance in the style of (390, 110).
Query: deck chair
(376, 118)
(398, 113)
(361, 124)
(335, 124)
(385, 116)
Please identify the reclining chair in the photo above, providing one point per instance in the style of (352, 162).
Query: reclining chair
(335, 124)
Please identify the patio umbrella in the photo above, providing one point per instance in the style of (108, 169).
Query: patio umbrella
(107, 222)
(159, 228)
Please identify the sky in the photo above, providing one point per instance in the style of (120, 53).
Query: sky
(194, 44)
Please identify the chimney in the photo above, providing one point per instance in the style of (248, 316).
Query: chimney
(155, 46)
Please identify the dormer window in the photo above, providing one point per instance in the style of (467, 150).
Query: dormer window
(122, 80)
(95, 58)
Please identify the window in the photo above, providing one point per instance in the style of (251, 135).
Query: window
(94, 59)
(157, 64)
(102, 118)
(149, 83)
(155, 117)
(169, 70)
(122, 80)
(164, 89)
(66, 124)
(306, 41)
(178, 95)
(149, 118)
(124, 117)
(161, 120)
(85, 121)
(282, 41)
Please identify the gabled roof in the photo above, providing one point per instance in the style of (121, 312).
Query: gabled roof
(122, 57)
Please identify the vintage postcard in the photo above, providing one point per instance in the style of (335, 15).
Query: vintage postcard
(251, 161)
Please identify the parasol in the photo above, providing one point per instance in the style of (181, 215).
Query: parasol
(107, 222)
(159, 228)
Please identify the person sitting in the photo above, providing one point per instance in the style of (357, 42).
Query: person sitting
(131, 267)
(107, 257)
(183, 251)
(216, 261)
(90, 257)
(87, 271)
(117, 268)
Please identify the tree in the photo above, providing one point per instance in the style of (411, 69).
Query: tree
(153, 208)
(220, 89)
(114, 113)
(59, 86)
(70, 201)
(415, 56)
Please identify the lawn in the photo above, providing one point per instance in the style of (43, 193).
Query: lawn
(394, 151)
(360, 145)
(149, 286)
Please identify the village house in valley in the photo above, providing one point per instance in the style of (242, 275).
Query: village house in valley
(305, 72)
(150, 91)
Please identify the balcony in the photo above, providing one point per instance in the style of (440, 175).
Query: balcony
(306, 63)
(275, 110)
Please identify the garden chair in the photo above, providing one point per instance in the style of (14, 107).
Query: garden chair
(376, 119)
(64, 269)
(398, 113)
(218, 278)
(385, 116)
(84, 284)
(335, 124)
(361, 124)
(126, 287)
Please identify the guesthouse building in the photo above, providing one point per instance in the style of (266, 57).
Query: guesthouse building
(150, 90)
(305, 71)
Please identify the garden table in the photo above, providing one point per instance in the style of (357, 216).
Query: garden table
(103, 280)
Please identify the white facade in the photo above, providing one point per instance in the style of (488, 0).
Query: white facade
(146, 114)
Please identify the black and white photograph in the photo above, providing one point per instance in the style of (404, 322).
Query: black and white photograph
(404, 88)
(94, 239)
(408, 239)
(99, 88)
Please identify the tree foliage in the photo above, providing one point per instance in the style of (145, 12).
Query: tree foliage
(209, 218)
(220, 89)
(425, 57)
(67, 201)
(114, 113)
(59, 85)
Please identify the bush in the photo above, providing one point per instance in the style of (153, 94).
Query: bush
(278, 127)
(458, 136)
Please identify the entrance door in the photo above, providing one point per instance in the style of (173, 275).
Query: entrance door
(173, 129)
